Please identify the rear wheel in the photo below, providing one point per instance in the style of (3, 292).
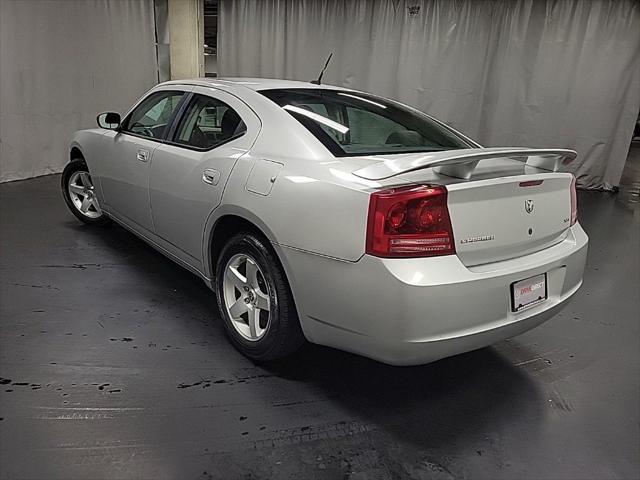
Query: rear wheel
(255, 301)
(79, 194)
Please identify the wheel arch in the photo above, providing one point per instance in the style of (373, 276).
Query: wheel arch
(224, 222)
(76, 153)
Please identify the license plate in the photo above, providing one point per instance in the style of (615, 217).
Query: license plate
(528, 292)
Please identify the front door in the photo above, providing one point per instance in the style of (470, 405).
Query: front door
(128, 155)
(190, 170)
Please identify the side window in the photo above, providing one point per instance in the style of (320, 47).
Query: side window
(150, 118)
(208, 122)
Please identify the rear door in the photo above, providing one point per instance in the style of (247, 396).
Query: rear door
(128, 153)
(190, 170)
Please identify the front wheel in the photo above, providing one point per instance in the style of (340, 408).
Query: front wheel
(78, 192)
(255, 300)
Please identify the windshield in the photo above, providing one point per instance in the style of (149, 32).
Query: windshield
(353, 123)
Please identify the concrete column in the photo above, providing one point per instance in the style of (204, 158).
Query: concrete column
(186, 33)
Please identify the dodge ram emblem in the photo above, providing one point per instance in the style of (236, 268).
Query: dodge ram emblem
(528, 206)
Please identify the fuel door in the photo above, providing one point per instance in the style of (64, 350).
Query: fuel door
(263, 176)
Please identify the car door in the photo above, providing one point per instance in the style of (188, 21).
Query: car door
(128, 152)
(190, 170)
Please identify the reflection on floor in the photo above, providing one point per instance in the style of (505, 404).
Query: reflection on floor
(114, 364)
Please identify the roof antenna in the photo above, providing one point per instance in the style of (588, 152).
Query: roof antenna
(317, 82)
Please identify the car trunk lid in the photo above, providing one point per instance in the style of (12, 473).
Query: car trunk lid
(503, 218)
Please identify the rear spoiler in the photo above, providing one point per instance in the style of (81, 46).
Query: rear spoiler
(461, 163)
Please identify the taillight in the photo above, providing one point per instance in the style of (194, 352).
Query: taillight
(574, 202)
(409, 221)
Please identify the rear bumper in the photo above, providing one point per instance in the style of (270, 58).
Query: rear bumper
(414, 311)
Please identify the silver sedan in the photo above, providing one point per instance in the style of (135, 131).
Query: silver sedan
(335, 216)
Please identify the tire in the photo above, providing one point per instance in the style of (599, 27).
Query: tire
(264, 289)
(77, 191)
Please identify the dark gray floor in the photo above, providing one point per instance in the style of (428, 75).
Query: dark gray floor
(114, 364)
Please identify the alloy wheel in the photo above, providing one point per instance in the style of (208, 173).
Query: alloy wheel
(82, 194)
(246, 297)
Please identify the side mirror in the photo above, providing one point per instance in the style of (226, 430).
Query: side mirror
(109, 120)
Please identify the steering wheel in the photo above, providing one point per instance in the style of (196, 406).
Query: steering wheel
(146, 130)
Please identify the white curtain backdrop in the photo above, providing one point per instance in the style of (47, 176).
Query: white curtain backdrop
(538, 73)
(61, 63)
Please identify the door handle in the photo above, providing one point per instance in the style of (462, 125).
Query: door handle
(143, 155)
(211, 176)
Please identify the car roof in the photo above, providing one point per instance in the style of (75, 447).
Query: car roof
(256, 84)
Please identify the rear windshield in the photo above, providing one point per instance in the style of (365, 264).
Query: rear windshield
(350, 124)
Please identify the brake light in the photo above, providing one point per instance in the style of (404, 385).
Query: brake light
(409, 221)
(531, 183)
(574, 202)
